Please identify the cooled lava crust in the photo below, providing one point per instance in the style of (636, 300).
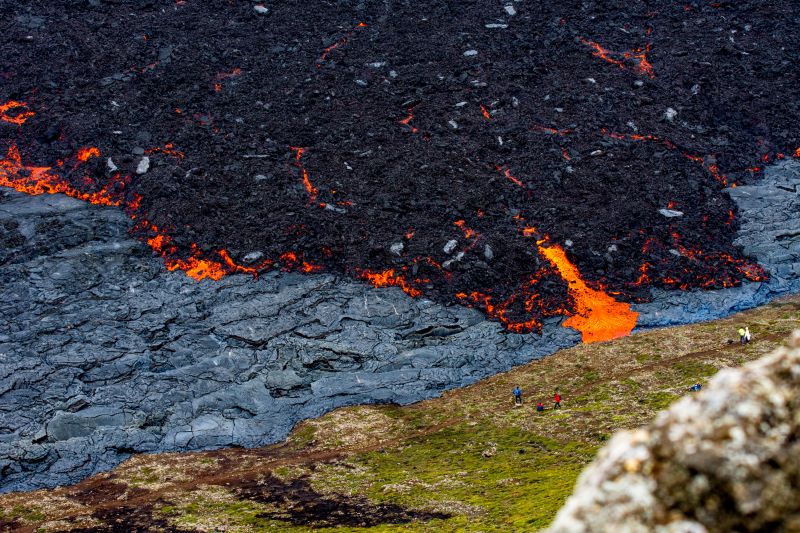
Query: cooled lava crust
(547, 139)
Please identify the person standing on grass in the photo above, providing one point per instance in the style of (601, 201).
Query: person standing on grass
(746, 334)
(556, 401)
(539, 407)
(517, 396)
(742, 333)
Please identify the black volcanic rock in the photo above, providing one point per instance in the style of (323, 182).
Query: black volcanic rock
(371, 90)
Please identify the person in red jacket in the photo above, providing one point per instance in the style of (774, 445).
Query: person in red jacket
(556, 400)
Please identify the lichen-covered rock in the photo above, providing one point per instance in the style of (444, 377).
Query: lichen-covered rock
(727, 459)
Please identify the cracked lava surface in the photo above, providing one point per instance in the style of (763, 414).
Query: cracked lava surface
(519, 161)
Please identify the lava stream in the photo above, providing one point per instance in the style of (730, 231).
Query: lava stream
(597, 316)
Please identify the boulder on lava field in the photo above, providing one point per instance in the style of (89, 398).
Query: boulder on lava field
(725, 460)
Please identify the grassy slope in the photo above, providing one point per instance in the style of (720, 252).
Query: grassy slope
(469, 454)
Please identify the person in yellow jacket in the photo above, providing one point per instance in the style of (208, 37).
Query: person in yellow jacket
(742, 334)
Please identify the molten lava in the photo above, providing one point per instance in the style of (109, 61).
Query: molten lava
(338, 44)
(597, 316)
(388, 278)
(19, 115)
(167, 149)
(312, 191)
(636, 55)
(507, 173)
(406, 121)
(40, 180)
(84, 154)
(222, 76)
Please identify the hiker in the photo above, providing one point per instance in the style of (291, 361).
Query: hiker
(742, 333)
(556, 401)
(517, 396)
(540, 407)
(696, 387)
(746, 334)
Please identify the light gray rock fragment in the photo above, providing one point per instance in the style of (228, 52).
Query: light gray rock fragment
(143, 166)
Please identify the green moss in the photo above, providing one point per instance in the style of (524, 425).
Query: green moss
(510, 479)
(590, 376)
(644, 358)
(659, 400)
(241, 513)
(631, 384)
(303, 436)
(693, 371)
(21, 512)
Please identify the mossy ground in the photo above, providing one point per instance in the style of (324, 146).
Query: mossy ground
(468, 461)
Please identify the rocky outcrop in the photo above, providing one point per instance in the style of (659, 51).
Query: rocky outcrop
(727, 459)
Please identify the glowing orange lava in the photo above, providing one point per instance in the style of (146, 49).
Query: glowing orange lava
(84, 154)
(312, 191)
(19, 117)
(167, 149)
(222, 76)
(507, 173)
(340, 42)
(637, 55)
(388, 278)
(407, 120)
(40, 180)
(597, 316)
(293, 262)
(468, 232)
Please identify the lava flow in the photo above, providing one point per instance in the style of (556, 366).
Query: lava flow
(18, 116)
(597, 316)
(393, 116)
(312, 191)
(339, 43)
(41, 180)
(637, 55)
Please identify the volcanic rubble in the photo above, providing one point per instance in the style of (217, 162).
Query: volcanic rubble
(491, 153)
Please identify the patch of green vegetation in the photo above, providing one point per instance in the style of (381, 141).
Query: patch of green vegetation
(590, 376)
(236, 513)
(303, 436)
(597, 399)
(659, 400)
(631, 384)
(693, 371)
(499, 478)
(21, 512)
(645, 357)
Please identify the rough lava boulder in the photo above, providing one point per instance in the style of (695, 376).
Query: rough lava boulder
(727, 459)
